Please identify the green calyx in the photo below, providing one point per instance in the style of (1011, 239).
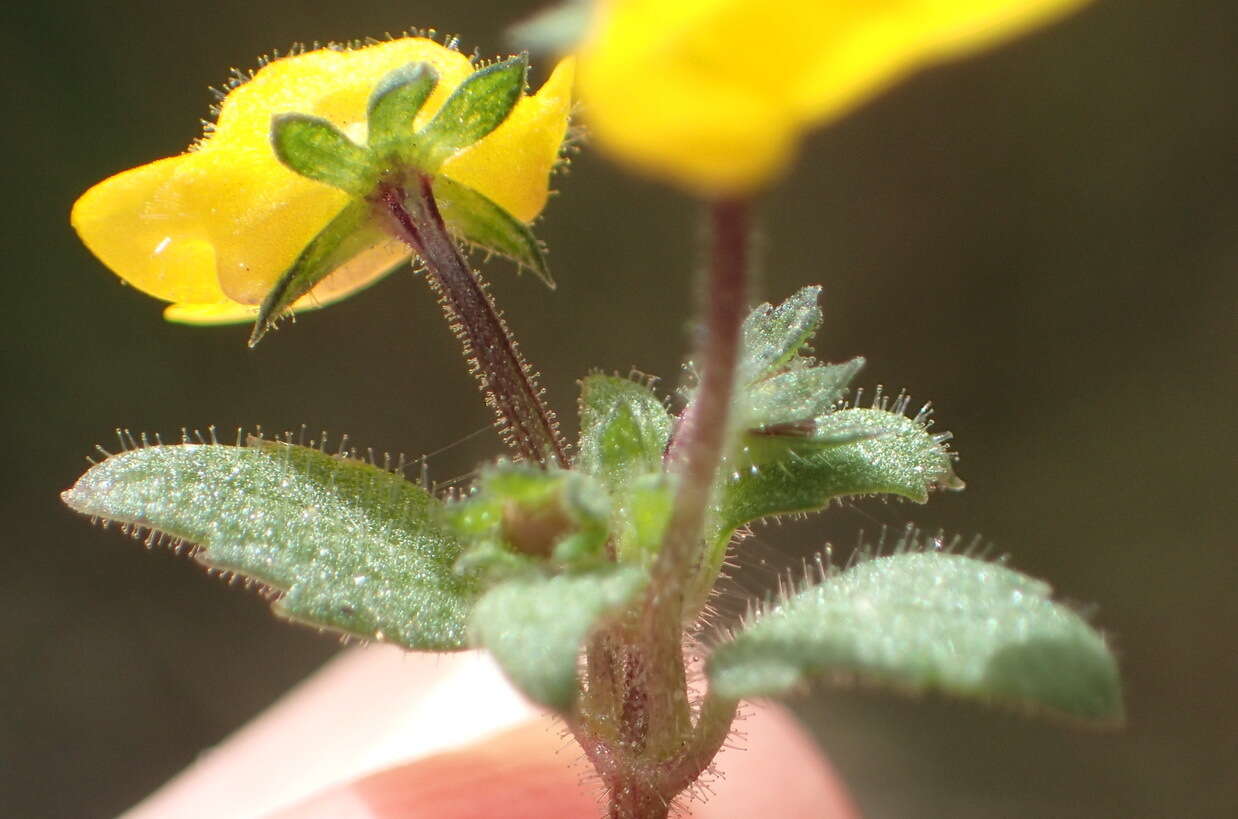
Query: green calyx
(394, 156)
(394, 103)
(316, 149)
(474, 109)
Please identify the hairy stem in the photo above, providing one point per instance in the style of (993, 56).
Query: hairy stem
(643, 786)
(509, 385)
(658, 748)
(695, 456)
(697, 449)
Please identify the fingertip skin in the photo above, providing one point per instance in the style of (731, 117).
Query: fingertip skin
(533, 771)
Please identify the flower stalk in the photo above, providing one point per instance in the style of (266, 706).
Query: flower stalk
(658, 746)
(697, 447)
(509, 385)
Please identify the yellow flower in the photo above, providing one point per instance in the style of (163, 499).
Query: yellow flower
(212, 230)
(715, 94)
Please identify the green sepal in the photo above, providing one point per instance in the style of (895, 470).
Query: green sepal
(354, 238)
(316, 149)
(849, 452)
(395, 102)
(349, 546)
(927, 621)
(477, 220)
(536, 626)
(624, 430)
(474, 109)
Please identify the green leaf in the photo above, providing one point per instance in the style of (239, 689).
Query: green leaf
(849, 452)
(519, 514)
(474, 218)
(475, 108)
(644, 510)
(927, 622)
(773, 336)
(795, 396)
(351, 546)
(352, 244)
(536, 626)
(624, 430)
(393, 105)
(318, 150)
(792, 452)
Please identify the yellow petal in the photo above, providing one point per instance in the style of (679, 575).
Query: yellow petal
(959, 27)
(353, 276)
(258, 216)
(907, 35)
(334, 84)
(215, 229)
(137, 224)
(714, 94)
(512, 164)
(224, 312)
(226, 220)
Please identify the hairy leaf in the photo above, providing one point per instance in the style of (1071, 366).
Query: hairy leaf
(927, 621)
(536, 626)
(797, 396)
(351, 546)
(849, 452)
(624, 430)
(477, 220)
(645, 511)
(316, 149)
(773, 336)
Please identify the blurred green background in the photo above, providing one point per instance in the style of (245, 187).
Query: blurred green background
(1043, 241)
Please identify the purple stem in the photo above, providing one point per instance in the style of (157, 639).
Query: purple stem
(700, 438)
(509, 385)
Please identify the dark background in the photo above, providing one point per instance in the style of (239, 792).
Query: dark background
(1043, 241)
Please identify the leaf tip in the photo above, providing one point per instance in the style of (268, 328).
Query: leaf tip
(75, 498)
(951, 481)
